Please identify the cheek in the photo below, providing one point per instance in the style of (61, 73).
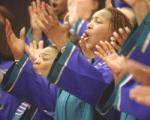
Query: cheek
(103, 33)
(44, 65)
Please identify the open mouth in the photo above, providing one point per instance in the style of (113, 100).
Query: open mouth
(85, 36)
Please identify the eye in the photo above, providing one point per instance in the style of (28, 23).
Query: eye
(98, 20)
(45, 57)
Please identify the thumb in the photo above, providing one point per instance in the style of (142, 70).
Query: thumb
(66, 27)
(29, 52)
(22, 33)
(27, 49)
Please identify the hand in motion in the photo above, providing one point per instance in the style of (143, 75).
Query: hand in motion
(34, 50)
(16, 44)
(88, 53)
(141, 94)
(49, 24)
(118, 38)
(34, 8)
(106, 52)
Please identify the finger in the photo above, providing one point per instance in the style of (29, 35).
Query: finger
(27, 49)
(128, 30)
(66, 18)
(41, 44)
(100, 50)
(51, 13)
(43, 8)
(123, 35)
(30, 9)
(38, 4)
(22, 33)
(105, 47)
(97, 53)
(33, 6)
(34, 43)
(43, 18)
(139, 95)
(115, 46)
(53, 18)
(40, 24)
(142, 89)
(122, 32)
(29, 52)
(110, 47)
(9, 31)
(31, 45)
(117, 37)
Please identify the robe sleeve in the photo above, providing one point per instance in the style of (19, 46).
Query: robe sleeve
(123, 101)
(25, 84)
(125, 104)
(73, 73)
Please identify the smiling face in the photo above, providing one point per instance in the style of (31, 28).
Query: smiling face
(98, 28)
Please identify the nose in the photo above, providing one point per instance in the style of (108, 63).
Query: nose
(37, 61)
(90, 25)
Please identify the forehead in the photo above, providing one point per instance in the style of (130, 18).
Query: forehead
(104, 14)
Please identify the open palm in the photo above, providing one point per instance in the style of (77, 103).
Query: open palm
(17, 45)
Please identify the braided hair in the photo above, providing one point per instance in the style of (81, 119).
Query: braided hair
(118, 20)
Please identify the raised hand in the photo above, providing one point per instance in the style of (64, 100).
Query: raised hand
(50, 25)
(106, 52)
(34, 50)
(34, 8)
(17, 45)
(141, 94)
(89, 54)
(119, 37)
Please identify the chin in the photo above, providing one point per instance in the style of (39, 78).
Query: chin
(89, 46)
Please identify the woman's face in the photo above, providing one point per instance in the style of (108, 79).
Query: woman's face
(98, 28)
(43, 63)
(60, 7)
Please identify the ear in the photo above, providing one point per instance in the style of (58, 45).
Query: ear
(95, 5)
